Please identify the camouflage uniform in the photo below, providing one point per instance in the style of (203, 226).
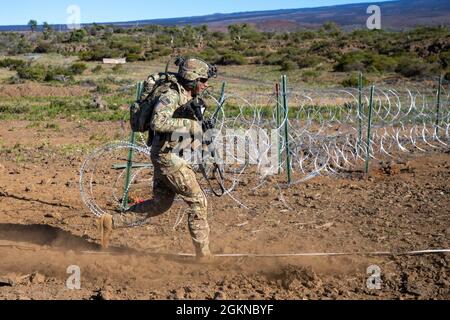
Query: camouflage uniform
(172, 174)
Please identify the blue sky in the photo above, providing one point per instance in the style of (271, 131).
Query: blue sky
(55, 11)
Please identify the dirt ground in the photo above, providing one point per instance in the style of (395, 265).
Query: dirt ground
(45, 228)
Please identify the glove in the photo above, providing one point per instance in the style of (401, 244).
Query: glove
(196, 128)
(196, 131)
(208, 125)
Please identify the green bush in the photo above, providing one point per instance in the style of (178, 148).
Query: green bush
(382, 63)
(117, 68)
(445, 58)
(102, 88)
(209, 54)
(308, 61)
(35, 72)
(231, 59)
(447, 75)
(288, 65)
(12, 64)
(352, 61)
(251, 52)
(310, 74)
(353, 81)
(78, 68)
(97, 53)
(77, 35)
(38, 72)
(412, 67)
(97, 69)
(165, 52)
(273, 59)
(132, 57)
(44, 47)
(14, 109)
(57, 72)
(365, 61)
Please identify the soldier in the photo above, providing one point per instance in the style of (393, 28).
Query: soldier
(172, 174)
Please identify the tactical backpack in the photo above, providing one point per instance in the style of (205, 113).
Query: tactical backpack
(141, 111)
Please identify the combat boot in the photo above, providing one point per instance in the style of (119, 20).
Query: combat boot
(202, 253)
(105, 226)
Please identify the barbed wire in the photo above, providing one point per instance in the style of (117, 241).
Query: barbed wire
(325, 132)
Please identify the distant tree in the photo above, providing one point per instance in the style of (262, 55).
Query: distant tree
(47, 30)
(242, 31)
(33, 25)
(235, 31)
(46, 26)
(331, 27)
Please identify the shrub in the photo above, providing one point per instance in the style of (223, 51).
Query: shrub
(77, 35)
(14, 80)
(273, 59)
(14, 109)
(353, 81)
(117, 68)
(43, 47)
(12, 64)
(412, 67)
(231, 59)
(365, 61)
(57, 73)
(77, 68)
(209, 54)
(251, 52)
(445, 58)
(132, 57)
(310, 74)
(97, 53)
(102, 88)
(309, 61)
(447, 75)
(36, 72)
(288, 65)
(97, 69)
(353, 61)
(382, 63)
(165, 52)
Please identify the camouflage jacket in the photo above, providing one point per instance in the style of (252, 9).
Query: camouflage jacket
(164, 124)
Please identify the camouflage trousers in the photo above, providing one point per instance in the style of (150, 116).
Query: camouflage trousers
(169, 181)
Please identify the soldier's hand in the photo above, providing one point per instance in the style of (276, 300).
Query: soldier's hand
(195, 129)
(207, 125)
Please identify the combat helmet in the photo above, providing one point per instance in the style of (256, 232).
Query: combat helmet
(192, 69)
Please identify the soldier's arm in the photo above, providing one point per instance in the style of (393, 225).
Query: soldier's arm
(162, 120)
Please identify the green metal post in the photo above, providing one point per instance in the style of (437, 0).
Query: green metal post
(286, 127)
(130, 156)
(438, 105)
(278, 115)
(369, 127)
(222, 93)
(360, 108)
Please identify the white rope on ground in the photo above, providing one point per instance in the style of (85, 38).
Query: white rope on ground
(321, 254)
(287, 255)
(268, 255)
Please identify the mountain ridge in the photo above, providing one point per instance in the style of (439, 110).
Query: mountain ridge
(395, 15)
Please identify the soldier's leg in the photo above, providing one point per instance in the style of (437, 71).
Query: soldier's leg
(163, 197)
(186, 185)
